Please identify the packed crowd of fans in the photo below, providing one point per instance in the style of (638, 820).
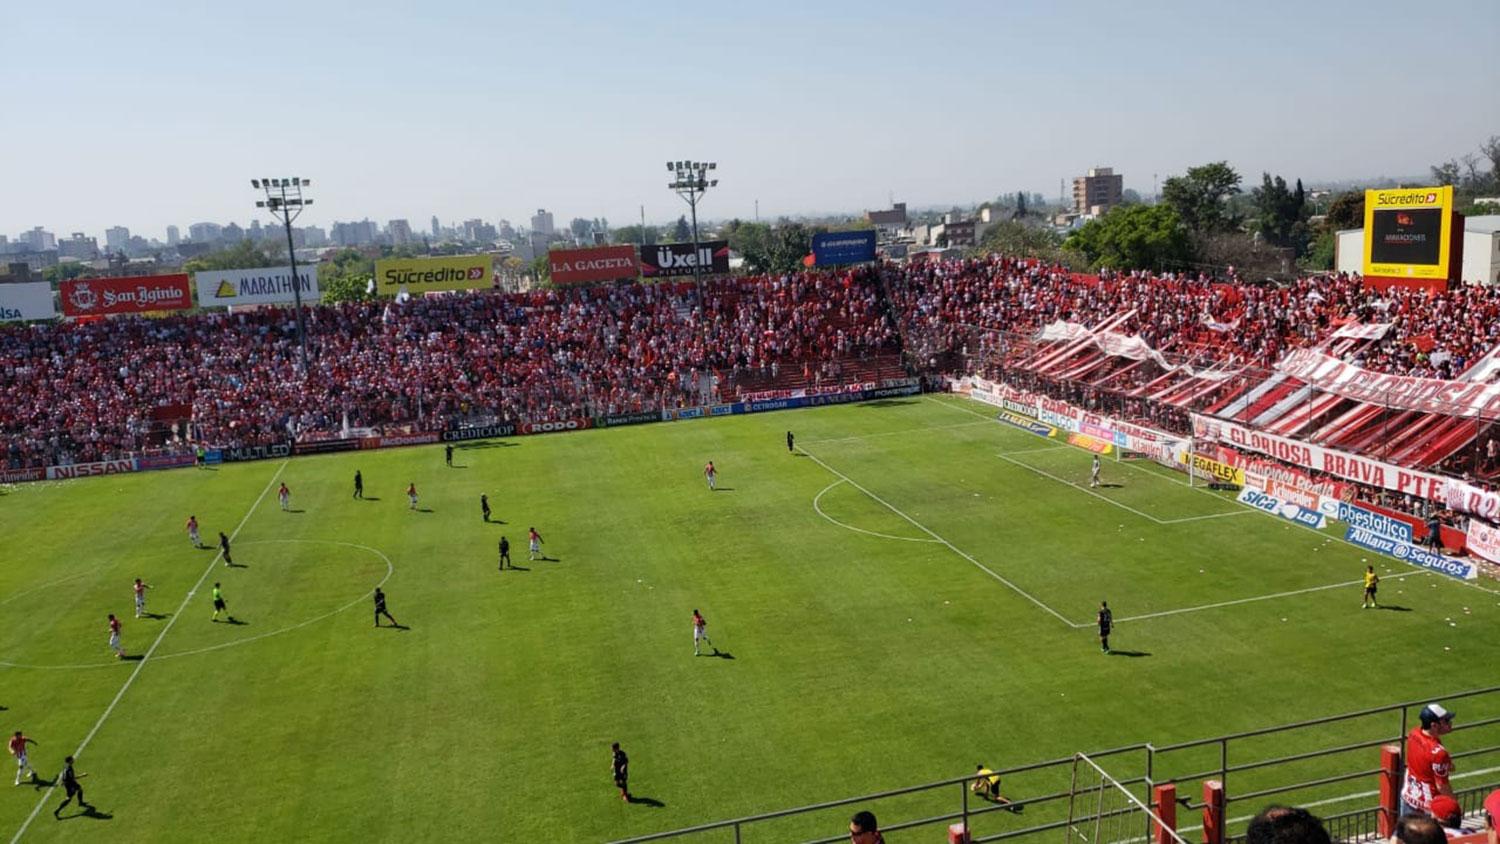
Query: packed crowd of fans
(81, 392)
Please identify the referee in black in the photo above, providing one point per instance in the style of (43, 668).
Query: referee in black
(359, 484)
(380, 609)
(505, 553)
(790, 440)
(1106, 622)
(71, 786)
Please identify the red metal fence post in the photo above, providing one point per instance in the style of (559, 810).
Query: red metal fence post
(1390, 791)
(1165, 798)
(1213, 812)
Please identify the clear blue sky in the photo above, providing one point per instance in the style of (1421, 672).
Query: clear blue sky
(156, 113)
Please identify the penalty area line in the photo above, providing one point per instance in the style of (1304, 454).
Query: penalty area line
(1256, 598)
(109, 710)
(951, 547)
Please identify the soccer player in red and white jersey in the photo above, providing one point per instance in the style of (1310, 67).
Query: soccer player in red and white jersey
(700, 633)
(192, 531)
(284, 495)
(114, 637)
(411, 495)
(711, 473)
(17, 746)
(535, 543)
(1428, 764)
(140, 597)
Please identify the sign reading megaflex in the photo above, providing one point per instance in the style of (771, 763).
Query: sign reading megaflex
(26, 301)
(220, 288)
(673, 260)
(419, 275)
(101, 296)
(579, 266)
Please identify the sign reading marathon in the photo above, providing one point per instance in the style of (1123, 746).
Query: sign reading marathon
(255, 452)
(483, 432)
(221, 288)
(674, 260)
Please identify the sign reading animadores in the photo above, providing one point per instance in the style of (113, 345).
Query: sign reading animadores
(222, 288)
(26, 300)
(605, 263)
(669, 260)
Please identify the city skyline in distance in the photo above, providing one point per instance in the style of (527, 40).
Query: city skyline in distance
(170, 112)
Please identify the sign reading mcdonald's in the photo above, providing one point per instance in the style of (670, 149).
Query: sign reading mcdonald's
(419, 275)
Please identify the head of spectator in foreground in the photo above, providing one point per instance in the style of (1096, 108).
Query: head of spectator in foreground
(863, 829)
(1418, 829)
(1286, 825)
(1436, 721)
(1492, 816)
(1446, 811)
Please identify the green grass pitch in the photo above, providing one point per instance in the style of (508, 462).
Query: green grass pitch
(914, 595)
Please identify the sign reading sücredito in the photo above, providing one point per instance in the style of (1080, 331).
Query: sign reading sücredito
(221, 288)
(419, 275)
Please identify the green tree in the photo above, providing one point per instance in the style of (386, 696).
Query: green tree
(64, 272)
(1019, 239)
(1200, 197)
(345, 276)
(1281, 212)
(1020, 205)
(1347, 211)
(245, 255)
(682, 232)
(632, 234)
(1134, 237)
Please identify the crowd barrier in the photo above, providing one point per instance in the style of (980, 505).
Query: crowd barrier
(280, 450)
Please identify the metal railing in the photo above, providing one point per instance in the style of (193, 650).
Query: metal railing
(1143, 766)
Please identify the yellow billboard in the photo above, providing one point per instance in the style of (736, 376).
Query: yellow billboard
(1408, 232)
(419, 275)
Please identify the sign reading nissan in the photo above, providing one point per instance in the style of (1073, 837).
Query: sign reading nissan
(222, 288)
(85, 297)
(26, 300)
(673, 260)
(580, 266)
(419, 275)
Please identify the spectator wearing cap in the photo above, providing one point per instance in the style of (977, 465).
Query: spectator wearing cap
(1428, 765)
(1449, 815)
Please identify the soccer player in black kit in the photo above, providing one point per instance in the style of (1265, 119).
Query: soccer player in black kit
(1106, 621)
(380, 609)
(504, 553)
(224, 548)
(448, 454)
(484, 506)
(620, 767)
(359, 484)
(71, 786)
(789, 440)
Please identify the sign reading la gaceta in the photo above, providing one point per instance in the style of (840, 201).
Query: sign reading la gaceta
(220, 288)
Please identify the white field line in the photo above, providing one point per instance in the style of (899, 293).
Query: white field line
(1034, 450)
(820, 512)
(951, 547)
(57, 582)
(1259, 598)
(894, 433)
(1106, 499)
(390, 569)
(47, 795)
(1209, 516)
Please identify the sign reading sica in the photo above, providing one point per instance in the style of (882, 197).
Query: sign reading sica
(419, 275)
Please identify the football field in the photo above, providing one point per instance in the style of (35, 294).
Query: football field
(912, 593)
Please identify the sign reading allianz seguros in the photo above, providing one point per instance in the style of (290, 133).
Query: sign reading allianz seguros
(219, 288)
(419, 275)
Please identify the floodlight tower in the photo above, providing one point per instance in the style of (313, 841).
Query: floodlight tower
(285, 202)
(690, 180)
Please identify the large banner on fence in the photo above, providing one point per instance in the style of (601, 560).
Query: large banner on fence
(605, 263)
(1484, 541)
(420, 275)
(830, 248)
(26, 300)
(1411, 554)
(222, 288)
(1451, 493)
(100, 296)
(1426, 395)
(674, 260)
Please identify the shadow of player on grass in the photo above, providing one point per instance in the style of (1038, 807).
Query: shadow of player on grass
(91, 812)
(637, 800)
(1129, 653)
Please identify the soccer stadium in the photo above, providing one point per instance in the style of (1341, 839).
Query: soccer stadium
(1014, 521)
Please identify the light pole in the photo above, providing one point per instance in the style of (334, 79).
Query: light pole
(690, 180)
(284, 201)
